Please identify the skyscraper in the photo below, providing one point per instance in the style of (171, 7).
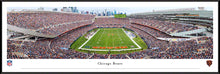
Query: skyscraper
(99, 14)
(65, 9)
(55, 9)
(71, 9)
(108, 13)
(115, 12)
(112, 13)
(105, 12)
(82, 12)
(41, 9)
(87, 12)
(121, 13)
(75, 10)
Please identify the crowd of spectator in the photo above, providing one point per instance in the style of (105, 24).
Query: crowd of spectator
(38, 49)
(111, 22)
(165, 26)
(57, 30)
(151, 31)
(109, 56)
(190, 49)
(186, 50)
(49, 48)
(11, 47)
(118, 56)
(136, 55)
(150, 40)
(66, 40)
(100, 56)
(57, 48)
(37, 20)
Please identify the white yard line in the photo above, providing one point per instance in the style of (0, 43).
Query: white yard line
(113, 39)
(88, 39)
(119, 36)
(100, 36)
(132, 40)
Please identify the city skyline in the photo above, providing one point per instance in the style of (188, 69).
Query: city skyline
(127, 10)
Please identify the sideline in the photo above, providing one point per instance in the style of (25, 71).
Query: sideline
(88, 39)
(132, 41)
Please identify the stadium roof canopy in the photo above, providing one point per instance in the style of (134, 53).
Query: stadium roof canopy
(202, 13)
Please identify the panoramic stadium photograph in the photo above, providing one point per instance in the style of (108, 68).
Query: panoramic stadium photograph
(109, 33)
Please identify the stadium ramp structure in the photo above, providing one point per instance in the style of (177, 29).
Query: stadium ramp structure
(187, 33)
(174, 39)
(28, 31)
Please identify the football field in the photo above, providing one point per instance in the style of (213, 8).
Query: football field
(106, 39)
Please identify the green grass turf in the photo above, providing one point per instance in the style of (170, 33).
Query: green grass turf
(109, 37)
